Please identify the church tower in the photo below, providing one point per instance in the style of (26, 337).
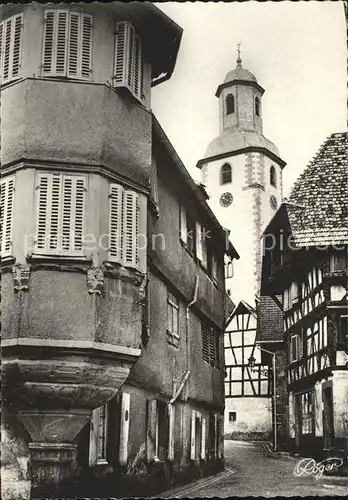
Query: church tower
(242, 172)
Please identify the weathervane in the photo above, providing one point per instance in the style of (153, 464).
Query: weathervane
(239, 60)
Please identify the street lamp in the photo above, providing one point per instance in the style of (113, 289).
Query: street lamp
(252, 364)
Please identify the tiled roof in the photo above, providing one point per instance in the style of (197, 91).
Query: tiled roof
(322, 191)
(269, 320)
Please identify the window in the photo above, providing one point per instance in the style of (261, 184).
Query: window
(210, 345)
(295, 348)
(129, 61)
(342, 339)
(202, 245)
(123, 226)
(67, 45)
(226, 174)
(257, 106)
(273, 176)
(191, 235)
(232, 416)
(307, 413)
(6, 217)
(229, 269)
(229, 104)
(60, 215)
(173, 318)
(10, 48)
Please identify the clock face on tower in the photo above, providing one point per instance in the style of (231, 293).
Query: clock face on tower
(226, 199)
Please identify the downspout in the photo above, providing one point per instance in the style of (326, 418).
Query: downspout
(187, 373)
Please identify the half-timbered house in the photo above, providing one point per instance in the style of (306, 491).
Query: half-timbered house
(305, 262)
(248, 408)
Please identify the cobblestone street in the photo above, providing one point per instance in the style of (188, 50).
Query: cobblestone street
(252, 471)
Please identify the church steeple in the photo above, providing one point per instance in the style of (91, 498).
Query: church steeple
(240, 99)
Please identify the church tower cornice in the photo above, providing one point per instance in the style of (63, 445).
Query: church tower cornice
(236, 152)
(239, 82)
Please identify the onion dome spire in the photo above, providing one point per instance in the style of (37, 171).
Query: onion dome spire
(239, 59)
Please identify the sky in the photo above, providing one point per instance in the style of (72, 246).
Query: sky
(297, 51)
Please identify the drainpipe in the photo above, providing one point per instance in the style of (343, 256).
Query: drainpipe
(187, 374)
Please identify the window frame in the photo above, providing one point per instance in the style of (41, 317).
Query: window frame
(232, 414)
(257, 106)
(224, 173)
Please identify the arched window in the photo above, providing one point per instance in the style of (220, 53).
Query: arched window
(226, 174)
(257, 106)
(229, 269)
(273, 176)
(229, 104)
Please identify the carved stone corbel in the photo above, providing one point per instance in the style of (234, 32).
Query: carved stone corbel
(21, 274)
(95, 280)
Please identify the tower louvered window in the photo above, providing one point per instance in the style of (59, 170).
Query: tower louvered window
(6, 216)
(60, 215)
(129, 61)
(210, 345)
(67, 46)
(10, 48)
(124, 226)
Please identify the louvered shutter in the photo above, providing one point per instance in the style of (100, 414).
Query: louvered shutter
(130, 58)
(86, 46)
(6, 217)
(124, 429)
(116, 223)
(16, 45)
(2, 28)
(137, 67)
(48, 214)
(49, 43)
(193, 435)
(7, 49)
(151, 431)
(171, 437)
(74, 43)
(183, 225)
(73, 210)
(120, 54)
(130, 229)
(61, 43)
(199, 245)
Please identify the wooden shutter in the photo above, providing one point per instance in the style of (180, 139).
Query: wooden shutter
(49, 43)
(2, 29)
(124, 430)
(214, 268)
(204, 236)
(73, 210)
(151, 431)
(203, 439)
(138, 68)
(61, 42)
(130, 58)
(131, 228)
(16, 45)
(48, 214)
(193, 435)
(116, 223)
(199, 243)
(7, 50)
(120, 54)
(183, 225)
(86, 46)
(74, 44)
(6, 217)
(171, 418)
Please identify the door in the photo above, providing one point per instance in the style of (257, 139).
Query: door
(328, 428)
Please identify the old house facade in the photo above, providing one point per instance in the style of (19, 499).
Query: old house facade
(106, 336)
(305, 272)
(242, 171)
